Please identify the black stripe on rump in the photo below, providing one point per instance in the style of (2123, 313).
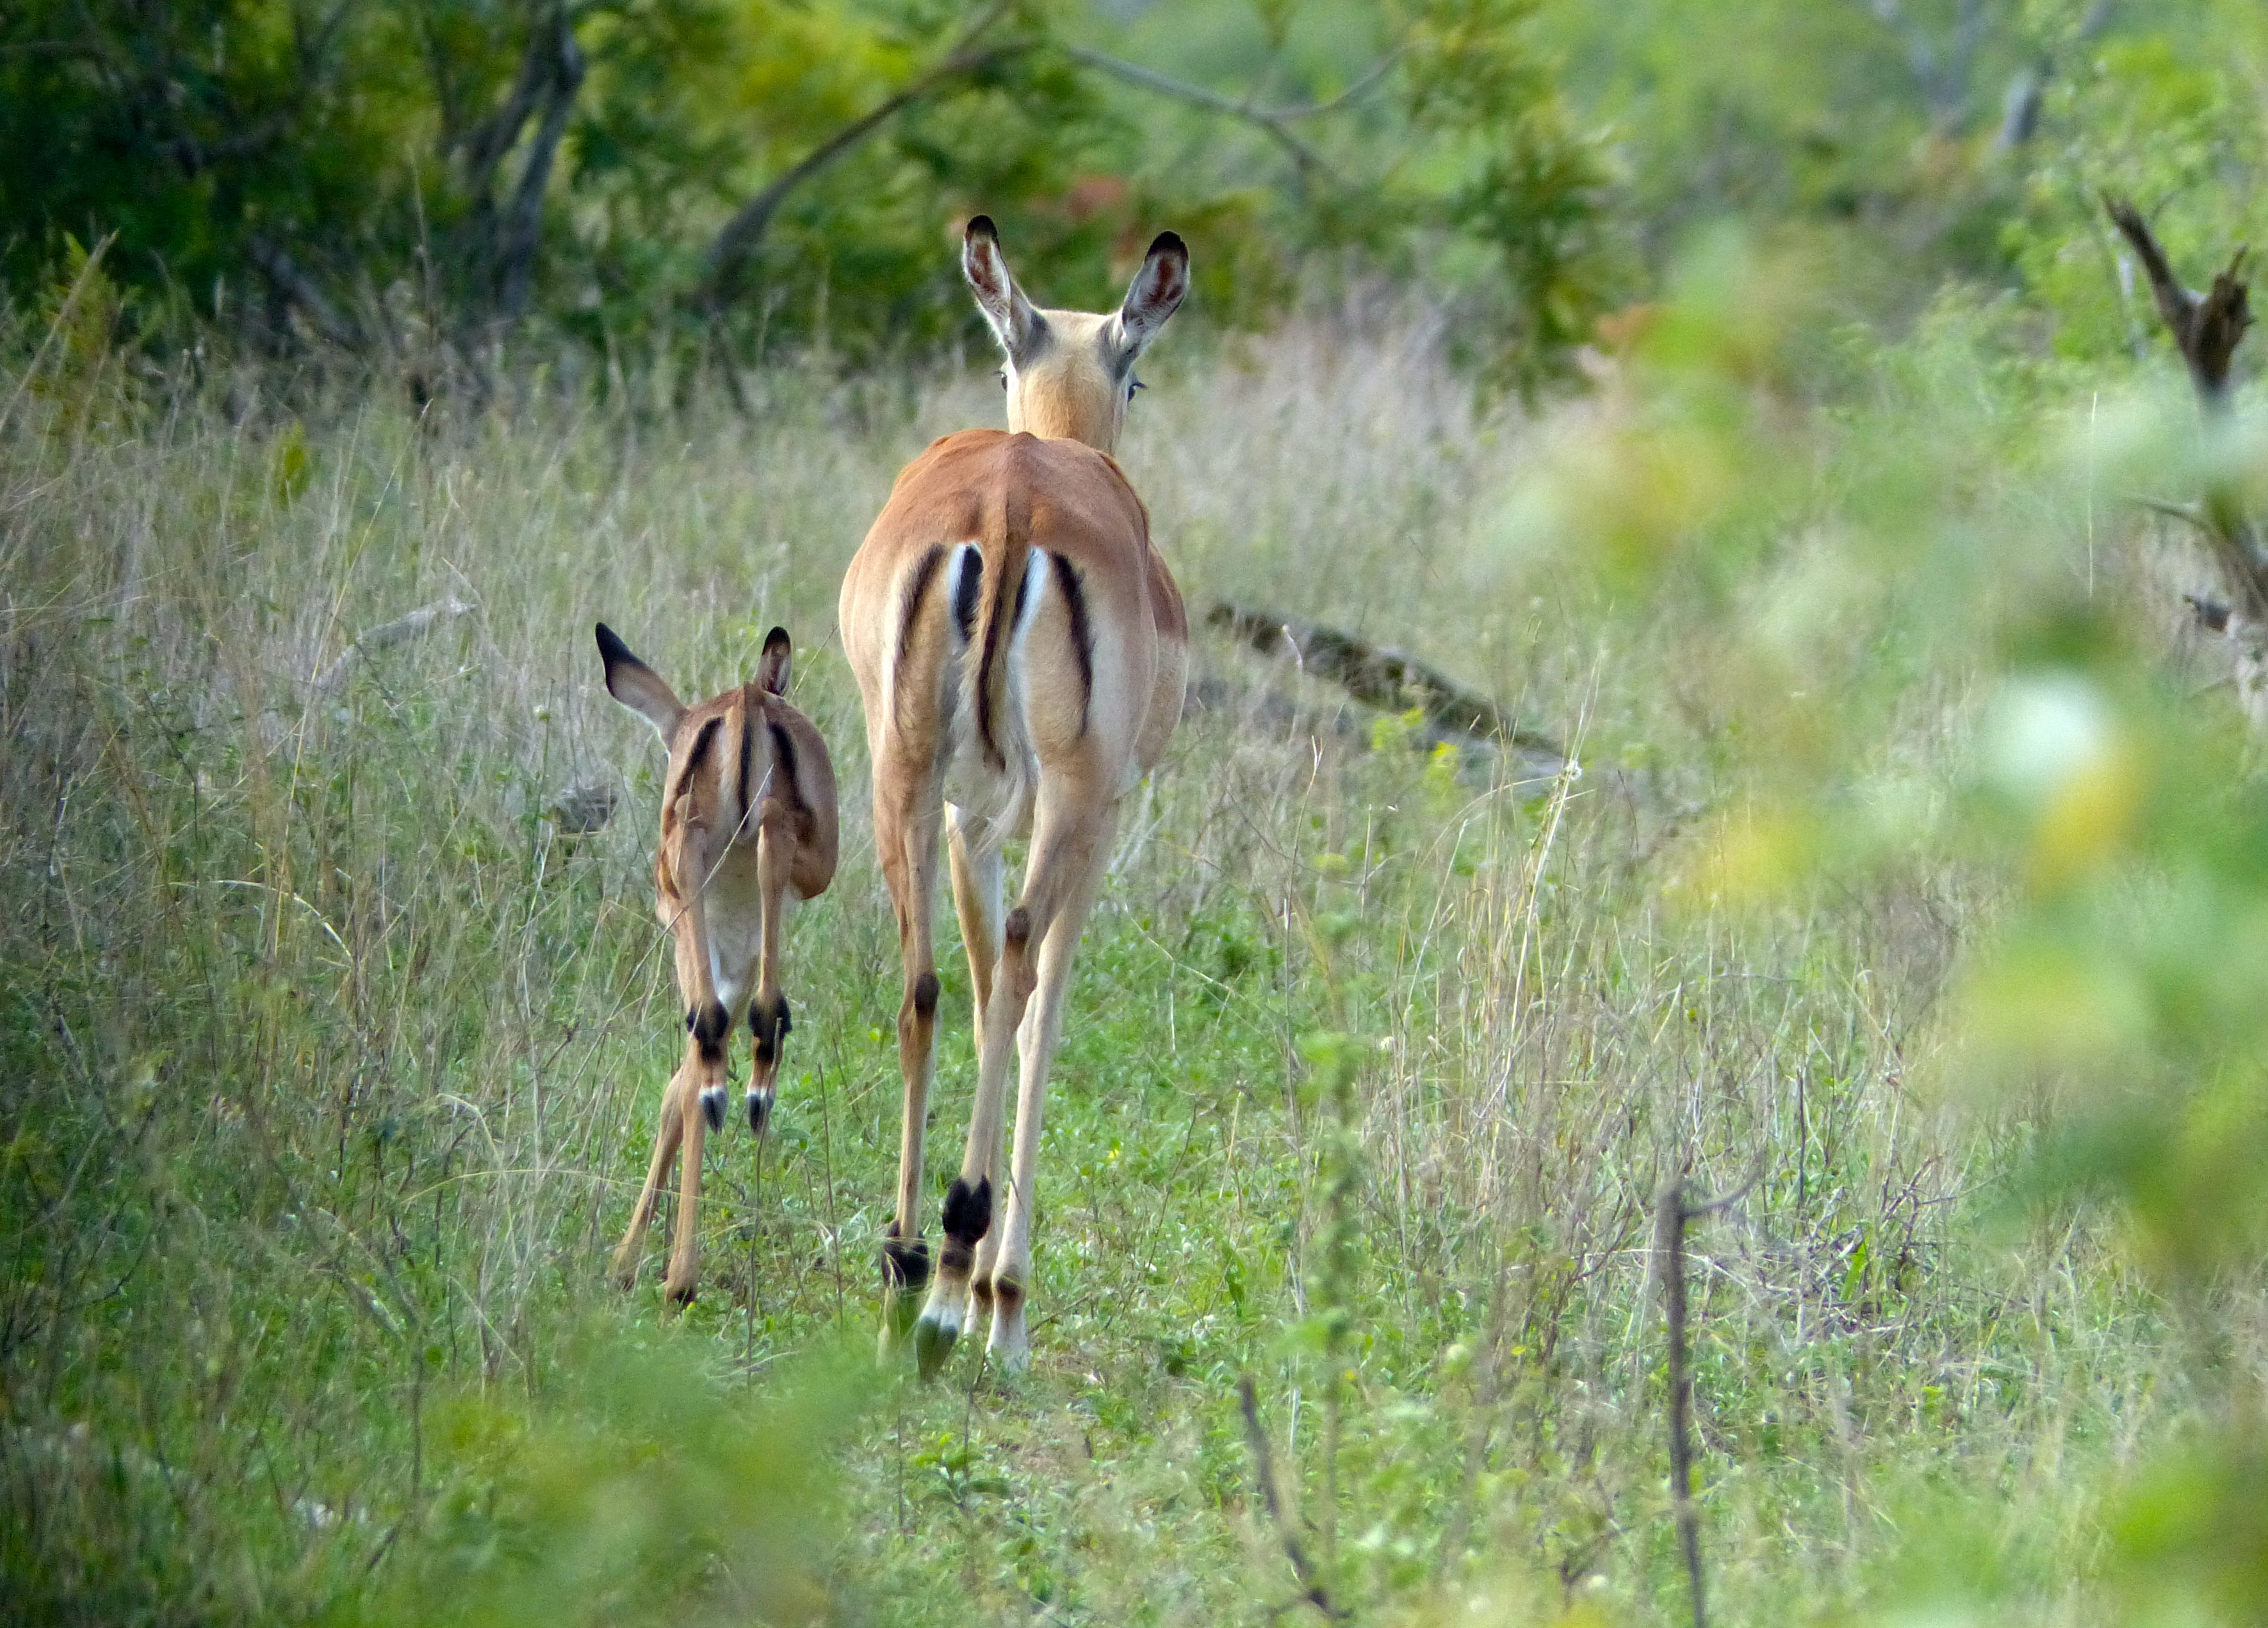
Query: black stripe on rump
(783, 766)
(1082, 635)
(747, 740)
(918, 586)
(696, 755)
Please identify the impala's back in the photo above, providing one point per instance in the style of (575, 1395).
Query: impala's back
(1021, 651)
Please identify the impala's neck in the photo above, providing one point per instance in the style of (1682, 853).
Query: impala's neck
(1070, 384)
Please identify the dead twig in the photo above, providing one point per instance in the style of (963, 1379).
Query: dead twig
(2206, 327)
(1263, 1471)
(416, 624)
(2206, 330)
(1671, 1212)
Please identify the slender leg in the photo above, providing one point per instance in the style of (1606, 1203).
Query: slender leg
(977, 868)
(1011, 1276)
(907, 826)
(1063, 848)
(977, 874)
(768, 1014)
(666, 1139)
(704, 1067)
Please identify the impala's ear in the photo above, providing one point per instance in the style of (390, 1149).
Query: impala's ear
(1020, 328)
(638, 686)
(1154, 294)
(772, 671)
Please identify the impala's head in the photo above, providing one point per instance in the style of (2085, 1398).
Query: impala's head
(1071, 374)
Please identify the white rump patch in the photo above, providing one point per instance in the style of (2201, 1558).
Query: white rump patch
(1036, 583)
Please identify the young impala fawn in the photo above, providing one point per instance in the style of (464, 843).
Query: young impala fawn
(748, 828)
(1021, 651)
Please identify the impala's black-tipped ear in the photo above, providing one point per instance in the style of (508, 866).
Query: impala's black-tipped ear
(1156, 292)
(1015, 324)
(772, 671)
(638, 686)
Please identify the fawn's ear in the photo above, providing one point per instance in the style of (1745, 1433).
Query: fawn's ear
(638, 686)
(772, 671)
(1020, 328)
(1155, 294)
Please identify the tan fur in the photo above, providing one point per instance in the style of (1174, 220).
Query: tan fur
(1007, 725)
(723, 871)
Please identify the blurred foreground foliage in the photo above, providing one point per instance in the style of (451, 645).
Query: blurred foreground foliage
(1924, 846)
(637, 1489)
(1934, 543)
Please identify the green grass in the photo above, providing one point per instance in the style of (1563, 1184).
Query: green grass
(330, 1066)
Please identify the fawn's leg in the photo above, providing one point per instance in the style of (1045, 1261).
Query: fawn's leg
(666, 1138)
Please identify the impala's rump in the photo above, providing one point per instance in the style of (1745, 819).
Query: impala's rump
(1016, 561)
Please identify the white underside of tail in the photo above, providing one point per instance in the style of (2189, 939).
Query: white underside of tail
(997, 801)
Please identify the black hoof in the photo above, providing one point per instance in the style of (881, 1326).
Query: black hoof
(760, 1110)
(713, 1107)
(905, 1264)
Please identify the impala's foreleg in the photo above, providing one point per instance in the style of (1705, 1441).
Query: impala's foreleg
(1005, 1275)
(666, 1137)
(908, 811)
(1061, 849)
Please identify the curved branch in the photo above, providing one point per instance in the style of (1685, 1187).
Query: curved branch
(1272, 121)
(523, 217)
(729, 254)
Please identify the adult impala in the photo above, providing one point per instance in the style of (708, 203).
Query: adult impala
(748, 827)
(1021, 651)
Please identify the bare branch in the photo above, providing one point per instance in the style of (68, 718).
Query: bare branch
(2207, 327)
(300, 290)
(516, 254)
(1669, 1218)
(1263, 1471)
(2206, 330)
(1272, 121)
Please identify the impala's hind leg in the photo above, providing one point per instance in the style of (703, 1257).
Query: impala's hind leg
(907, 827)
(1062, 849)
(977, 878)
(1007, 1282)
(666, 1137)
(768, 1014)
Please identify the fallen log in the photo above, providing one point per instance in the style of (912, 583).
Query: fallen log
(1392, 679)
(416, 624)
